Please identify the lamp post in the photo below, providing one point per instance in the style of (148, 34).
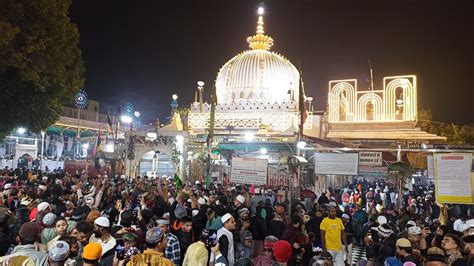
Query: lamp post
(126, 119)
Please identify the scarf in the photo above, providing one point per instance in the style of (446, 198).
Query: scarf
(230, 237)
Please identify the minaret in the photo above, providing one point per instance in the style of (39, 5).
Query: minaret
(200, 90)
(260, 40)
(174, 104)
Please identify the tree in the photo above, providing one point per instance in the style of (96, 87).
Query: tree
(41, 66)
(455, 134)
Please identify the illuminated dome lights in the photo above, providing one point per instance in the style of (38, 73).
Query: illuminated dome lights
(258, 75)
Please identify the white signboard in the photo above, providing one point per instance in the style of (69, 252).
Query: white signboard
(336, 163)
(249, 171)
(370, 158)
(430, 163)
(453, 178)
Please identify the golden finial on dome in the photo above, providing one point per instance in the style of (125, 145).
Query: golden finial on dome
(260, 40)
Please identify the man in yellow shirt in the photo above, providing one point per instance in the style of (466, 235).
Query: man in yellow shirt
(332, 229)
(156, 243)
(197, 253)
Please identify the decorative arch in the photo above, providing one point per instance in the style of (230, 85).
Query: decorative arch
(142, 149)
(408, 86)
(342, 98)
(377, 103)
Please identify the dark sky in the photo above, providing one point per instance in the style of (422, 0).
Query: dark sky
(144, 51)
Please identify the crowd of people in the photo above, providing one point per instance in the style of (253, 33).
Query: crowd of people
(55, 218)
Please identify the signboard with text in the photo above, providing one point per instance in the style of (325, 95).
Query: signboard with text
(370, 158)
(251, 171)
(453, 178)
(336, 163)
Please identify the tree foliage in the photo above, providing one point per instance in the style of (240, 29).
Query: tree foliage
(455, 134)
(41, 66)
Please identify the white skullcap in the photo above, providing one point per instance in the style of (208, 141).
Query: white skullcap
(102, 221)
(7, 186)
(226, 217)
(470, 223)
(163, 221)
(381, 219)
(201, 201)
(463, 227)
(414, 230)
(240, 199)
(457, 225)
(412, 223)
(346, 216)
(195, 212)
(42, 206)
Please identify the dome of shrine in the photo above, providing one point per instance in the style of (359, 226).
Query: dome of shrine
(258, 74)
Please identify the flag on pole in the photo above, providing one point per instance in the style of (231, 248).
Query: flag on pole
(97, 144)
(109, 120)
(208, 180)
(177, 182)
(302, 106)
(109, 127)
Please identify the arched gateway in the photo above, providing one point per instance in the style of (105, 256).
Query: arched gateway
(170, 143)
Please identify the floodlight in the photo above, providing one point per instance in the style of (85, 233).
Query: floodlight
(126, 119)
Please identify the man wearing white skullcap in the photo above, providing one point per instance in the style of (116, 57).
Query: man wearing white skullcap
(44, 206)
(226, 239)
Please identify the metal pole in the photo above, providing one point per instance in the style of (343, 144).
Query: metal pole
(78, 136)
(42, 148)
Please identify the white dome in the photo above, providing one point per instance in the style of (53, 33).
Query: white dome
(257, 75)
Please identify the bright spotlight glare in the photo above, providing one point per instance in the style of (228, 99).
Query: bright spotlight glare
(136, 114)
(301, 144)
(126, 119)
(174, 97)
(261, 11)
(263, 151)
(249, 136)
(21, 130)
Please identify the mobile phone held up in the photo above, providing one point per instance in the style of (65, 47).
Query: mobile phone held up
(120, 249)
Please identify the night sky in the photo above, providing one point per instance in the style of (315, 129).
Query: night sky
(144, 51)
